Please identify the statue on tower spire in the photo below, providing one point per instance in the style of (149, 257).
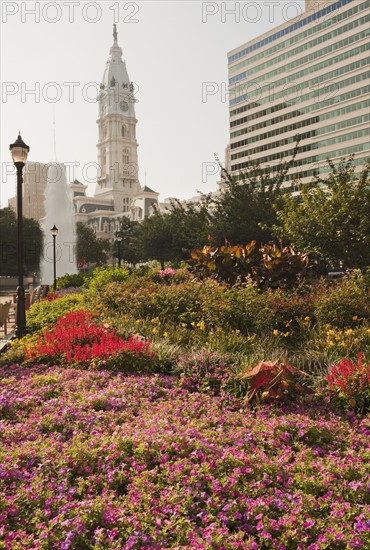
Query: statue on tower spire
(115, 33)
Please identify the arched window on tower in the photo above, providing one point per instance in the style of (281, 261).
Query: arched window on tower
(125, 161)
(124, 130)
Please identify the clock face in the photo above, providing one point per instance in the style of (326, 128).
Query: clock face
(123, 106)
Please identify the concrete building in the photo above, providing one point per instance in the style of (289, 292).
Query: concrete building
(118, 192)
(309, 76)
(34, 184)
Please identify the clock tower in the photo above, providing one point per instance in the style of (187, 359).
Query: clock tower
(118, 177)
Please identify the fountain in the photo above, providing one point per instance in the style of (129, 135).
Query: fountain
(59, 212)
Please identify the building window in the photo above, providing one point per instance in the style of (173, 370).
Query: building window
(125, 161)
(124, 130)
(126, 204)
(125, 156)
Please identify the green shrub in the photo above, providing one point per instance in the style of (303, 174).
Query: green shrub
(75, 280)
(344, 303)
(105, 275)
(169, 276)
(46, 312)
(269, 267)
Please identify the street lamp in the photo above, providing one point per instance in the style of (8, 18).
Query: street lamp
(119, 240)
(19, 151)
(54, 232)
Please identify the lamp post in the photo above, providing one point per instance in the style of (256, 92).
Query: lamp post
(54, 232)
(19, 151)
(119, 240)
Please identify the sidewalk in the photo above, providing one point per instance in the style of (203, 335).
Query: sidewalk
(4, 340)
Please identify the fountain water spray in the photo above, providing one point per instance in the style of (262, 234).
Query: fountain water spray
(59, 212)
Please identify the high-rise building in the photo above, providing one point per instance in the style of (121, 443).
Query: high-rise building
(309, 77)
(33, 191)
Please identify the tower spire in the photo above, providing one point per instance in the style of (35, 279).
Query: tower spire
(115, 33)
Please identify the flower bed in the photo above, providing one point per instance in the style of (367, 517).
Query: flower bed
(93, 459)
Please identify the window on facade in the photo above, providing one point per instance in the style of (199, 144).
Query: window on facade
(125, 204)
(124, 130)
(125, 156)
(125, 161)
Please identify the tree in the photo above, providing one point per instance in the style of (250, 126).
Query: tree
(32, 240)
(130, 245)
(90, 249)
(171, 236)
(331, 217)
(246, 208)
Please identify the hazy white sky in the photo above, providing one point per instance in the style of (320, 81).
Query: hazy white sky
(172, 50)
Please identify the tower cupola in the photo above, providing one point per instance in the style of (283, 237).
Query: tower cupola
(115, 72)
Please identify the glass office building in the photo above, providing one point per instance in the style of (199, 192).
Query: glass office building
(308, 77)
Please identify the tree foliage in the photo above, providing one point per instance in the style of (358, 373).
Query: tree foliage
(130, 244)
(32, 240)
(90, 248)
(172, 235)
(331, 216)
(246, 208)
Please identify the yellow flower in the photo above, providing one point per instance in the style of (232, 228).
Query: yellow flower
(354, 318)
(155, 320)
(276, 332)
(154, 331)
(201, 325)
(287, 334)
(165, 334)
(306, 319)
(237, 331)
(349, 331)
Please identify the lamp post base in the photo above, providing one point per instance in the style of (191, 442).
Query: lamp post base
(21, 329)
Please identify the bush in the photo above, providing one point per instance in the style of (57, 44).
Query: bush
(74, 280)
(268, 267)
(46, 312)
(105, 275)
(350, 381)
(169, 275)
(76, 340)
(343, 304)
(273, 380)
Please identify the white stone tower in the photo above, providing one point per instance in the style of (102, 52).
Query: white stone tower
(117, 146)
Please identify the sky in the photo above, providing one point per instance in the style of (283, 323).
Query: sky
(53, 56)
